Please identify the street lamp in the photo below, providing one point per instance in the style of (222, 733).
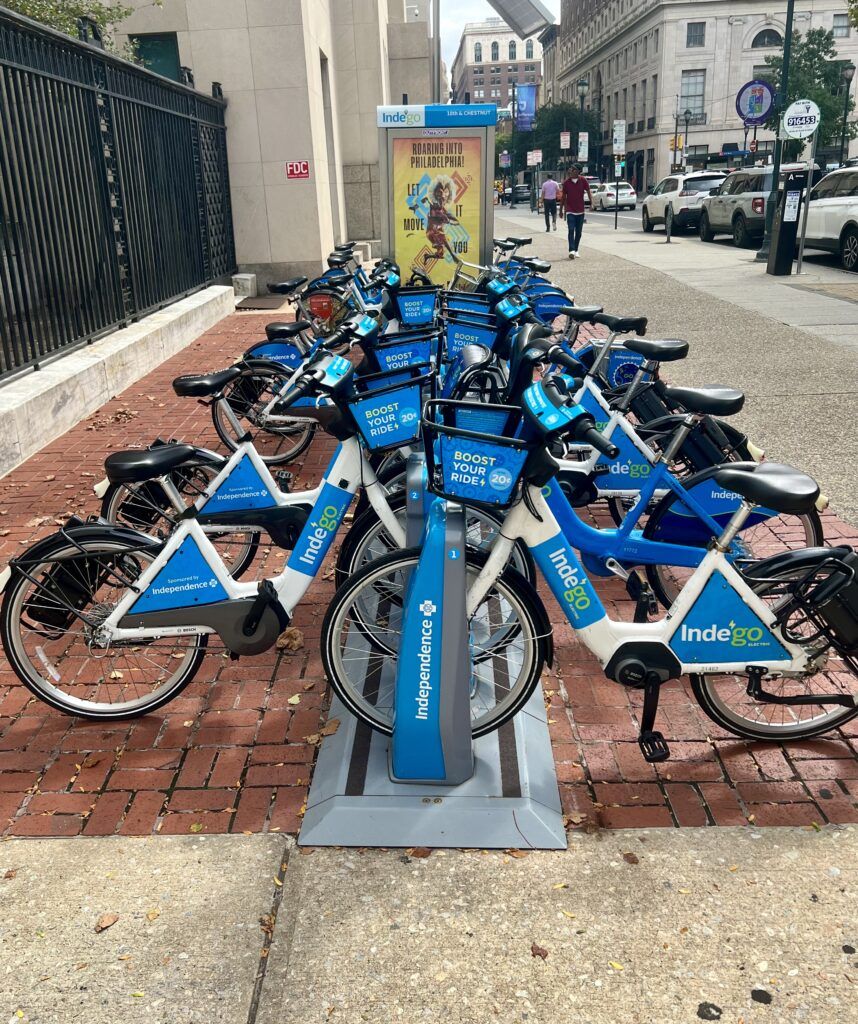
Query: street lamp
(687, 118)
(847, 73)
(584, 88)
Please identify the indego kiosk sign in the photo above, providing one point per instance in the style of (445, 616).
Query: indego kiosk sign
(436, 165)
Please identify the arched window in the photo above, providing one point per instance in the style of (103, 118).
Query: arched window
(769, 37)
(528, 50)
(478, 53)
(512, 50)
(495, 51)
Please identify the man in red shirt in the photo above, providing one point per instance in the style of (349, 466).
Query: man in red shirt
(574, 189)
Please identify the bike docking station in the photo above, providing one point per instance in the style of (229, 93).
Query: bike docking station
(431, 783)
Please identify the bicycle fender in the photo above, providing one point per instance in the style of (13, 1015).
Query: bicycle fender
(805, 558)
(82, 532)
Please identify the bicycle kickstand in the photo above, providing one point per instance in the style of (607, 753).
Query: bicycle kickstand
(653, 745)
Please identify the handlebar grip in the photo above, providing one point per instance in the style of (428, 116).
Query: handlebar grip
(592, 437)
(561, 358)
(291, 397)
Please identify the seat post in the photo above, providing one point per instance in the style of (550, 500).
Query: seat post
(650, 366)
(603, 354)
(732, 528)
(678, 439)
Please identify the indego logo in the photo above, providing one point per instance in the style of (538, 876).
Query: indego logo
(574, 594)
(319, 533)
(736, 636)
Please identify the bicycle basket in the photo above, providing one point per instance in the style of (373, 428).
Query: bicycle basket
(398, 353)
(461, 333)
(417, 306)
(472, 465)
(386, 407)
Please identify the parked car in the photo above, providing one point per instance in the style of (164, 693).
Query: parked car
(594, 184)
(520, 193)
(832, 216)
(738, 207)
(685, 192)
(605, 196)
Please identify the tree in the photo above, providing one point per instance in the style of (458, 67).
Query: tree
(63, 15)
(550, 122)
(814, 74)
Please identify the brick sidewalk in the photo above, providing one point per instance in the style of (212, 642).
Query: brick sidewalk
(231, 754)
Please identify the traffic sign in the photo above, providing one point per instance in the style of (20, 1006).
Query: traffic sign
(583, 146)
(801, 119)
(619, 138)
(754, 102)
(504, 160)
(566, 140)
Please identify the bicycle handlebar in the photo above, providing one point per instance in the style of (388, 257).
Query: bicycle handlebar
(589, 435)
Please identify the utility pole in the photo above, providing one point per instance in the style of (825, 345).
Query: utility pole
(675, 133)
(512, 147)
(783, 99)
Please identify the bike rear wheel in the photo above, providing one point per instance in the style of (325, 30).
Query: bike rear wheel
(725, 700)
(49, 624)
(508, 635)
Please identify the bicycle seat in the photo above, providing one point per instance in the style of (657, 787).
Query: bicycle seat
(335, 279)
(205, 384)
(287, 287)
(662, 351)
(580, 314)
(503, 244)
(773, 485)
(339, 259)
(537, 266)
(715, 400)
(519, 241)
(135, 466)
(281, 331)
(622, 324)
(345, 247)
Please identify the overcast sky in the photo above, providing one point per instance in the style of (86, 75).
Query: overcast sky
(454, 14)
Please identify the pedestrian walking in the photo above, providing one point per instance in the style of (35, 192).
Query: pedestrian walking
(550, 192)
(575, 187)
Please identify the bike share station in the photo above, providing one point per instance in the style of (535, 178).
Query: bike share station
(431, 783)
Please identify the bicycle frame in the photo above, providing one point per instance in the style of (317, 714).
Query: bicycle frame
(347, 471)
(751, 631)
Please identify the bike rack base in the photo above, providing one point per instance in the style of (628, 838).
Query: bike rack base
(512, 800)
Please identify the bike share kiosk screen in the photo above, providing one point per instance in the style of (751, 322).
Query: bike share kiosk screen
(437, 164)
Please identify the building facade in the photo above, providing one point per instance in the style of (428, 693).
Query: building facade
(649, 61)
(302, 79)
(490, 59)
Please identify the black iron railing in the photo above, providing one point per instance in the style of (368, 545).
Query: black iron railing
(114, 193)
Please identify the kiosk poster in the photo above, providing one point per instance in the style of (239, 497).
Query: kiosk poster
(437, 204)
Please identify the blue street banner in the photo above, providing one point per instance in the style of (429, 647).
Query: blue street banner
(525, 108)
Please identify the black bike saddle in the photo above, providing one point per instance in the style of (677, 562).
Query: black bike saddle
(134, 467)
(667, 350)
(537, 266)
(622, 324)
(519, 241)
(205, 384)
(713, 400)
(581, 314)
(772, 485)
(287, 287)
(339, 259)
(282, 331)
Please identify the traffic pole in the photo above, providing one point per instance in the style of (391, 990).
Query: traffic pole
(771, 202)
(810, 168)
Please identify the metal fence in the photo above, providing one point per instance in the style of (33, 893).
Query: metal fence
(114, 192)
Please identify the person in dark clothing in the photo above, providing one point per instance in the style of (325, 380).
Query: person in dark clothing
(575, 187)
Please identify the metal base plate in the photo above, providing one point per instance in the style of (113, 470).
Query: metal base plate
(512, 800)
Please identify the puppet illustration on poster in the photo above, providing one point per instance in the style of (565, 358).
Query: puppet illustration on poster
(437, 204)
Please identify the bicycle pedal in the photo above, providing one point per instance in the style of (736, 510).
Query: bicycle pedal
(653, 747)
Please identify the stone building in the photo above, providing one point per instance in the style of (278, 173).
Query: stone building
(647, 61)
(303, 79)
(490, 58)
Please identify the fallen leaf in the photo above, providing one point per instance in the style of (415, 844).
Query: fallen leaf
(733, 867)
(153, 915)
(138, 995)
(307, 686)
(615, 965)
(517, 854)
(105, 922)
(291, 639)
(125, 956)
(11, 873)
(49, 477)
(116, 674)
(539, 951)
(631, 858)
(266, 923)
(196, 827)
(330, 728)
(561, 885)
(419, 852)
(294, 699)
(80, 967)
(573, 819)
(685, 892)
(278, 883)
(567, 913)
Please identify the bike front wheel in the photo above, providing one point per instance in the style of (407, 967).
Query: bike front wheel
(725, 698)
(49, 626)
(509, 639)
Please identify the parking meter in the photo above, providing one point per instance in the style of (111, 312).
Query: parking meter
(786, 224)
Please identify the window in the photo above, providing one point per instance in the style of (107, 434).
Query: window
(478, 53)
(826, 188)
(655, 95)
(159, 52)
(766, 39)
(848, 184)
(528, 50)
(495, 51)
(692, 92)
(512, 50)
(645, 38)
(696, 34)
(479, 93)
(841, 26)
(495, 93)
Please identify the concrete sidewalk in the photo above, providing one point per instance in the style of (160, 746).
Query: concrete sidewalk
(793, 350)
(641, 927)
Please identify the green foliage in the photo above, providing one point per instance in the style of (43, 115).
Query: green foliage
(63, 16)
(814, 74)
(550, 122)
